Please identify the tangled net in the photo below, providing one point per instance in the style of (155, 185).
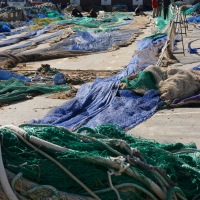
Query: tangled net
(105, 163)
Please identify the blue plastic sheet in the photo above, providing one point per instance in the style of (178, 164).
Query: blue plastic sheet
(6, 75)
(196, 68)
(148, 41)
(194, 19)
(102, 105)
(102, 102)
(5, 28)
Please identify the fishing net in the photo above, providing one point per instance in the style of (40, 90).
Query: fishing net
(140, 83)
(77, 44)
(193, 9)
(160, 23)
(179, 84)
(107, 162)
(108, 23)
(29, 35)
(9, 61)
(15, 90)
(47, 10)
(91, 40)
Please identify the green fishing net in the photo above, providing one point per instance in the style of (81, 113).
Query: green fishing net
(143, 82)
(101, 157)
(15, 90)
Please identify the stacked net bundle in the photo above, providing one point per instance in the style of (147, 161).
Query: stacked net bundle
(15, 90)
(106, 161)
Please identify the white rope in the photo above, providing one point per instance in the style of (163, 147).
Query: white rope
(123, 167)
(111, 185)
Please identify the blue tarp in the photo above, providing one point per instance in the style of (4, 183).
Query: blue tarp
(148, 41)
(102, 102)
(196, 68)
(6, 75)
(194, 19)
(4, 27)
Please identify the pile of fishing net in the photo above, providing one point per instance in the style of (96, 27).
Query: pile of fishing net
(172, 84)
(16, 90)
(78, 44)
(194, 8)
(101, 163)
(46, 10)
(105, 35)
(108, 23)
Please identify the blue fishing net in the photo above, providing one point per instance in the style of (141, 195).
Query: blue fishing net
(14, 32)
(27, 36)
(193, 50)
(100, 103)
(89, 41)
(37, 41)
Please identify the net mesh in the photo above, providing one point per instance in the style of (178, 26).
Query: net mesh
(95, 152)
(15, 90)
(140, 83)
